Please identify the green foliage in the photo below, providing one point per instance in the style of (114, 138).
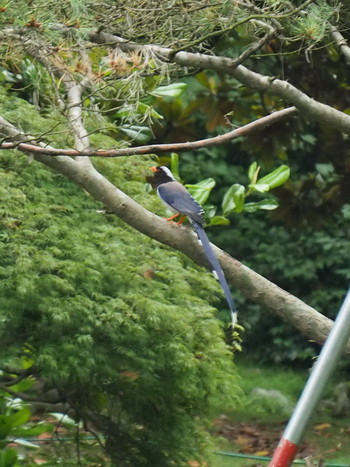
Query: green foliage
(300, 246)
(313, 26)
(201, 190)
(309, 263)
(15, 425)
(234, 198)
(171, 91)
(124, 328)
(8, 458)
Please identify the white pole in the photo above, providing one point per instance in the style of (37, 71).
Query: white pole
(311, 395)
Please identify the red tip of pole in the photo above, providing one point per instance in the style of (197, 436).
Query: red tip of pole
(284, 454)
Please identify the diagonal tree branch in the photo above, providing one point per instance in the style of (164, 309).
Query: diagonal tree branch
(82, 141)
(255, 287)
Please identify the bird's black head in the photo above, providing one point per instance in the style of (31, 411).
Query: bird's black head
(162, 175)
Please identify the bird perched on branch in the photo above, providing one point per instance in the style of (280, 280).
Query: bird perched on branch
(176, 197)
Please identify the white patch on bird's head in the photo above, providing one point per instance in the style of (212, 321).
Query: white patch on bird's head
(167, 172)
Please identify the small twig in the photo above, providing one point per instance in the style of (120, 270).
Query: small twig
(253, 48)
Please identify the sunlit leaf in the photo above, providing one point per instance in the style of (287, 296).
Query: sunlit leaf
(275, 178)
(210, 210)
(201, 190)
(172, 90)
(219, 220)
(233, 199)
(253, 172)
(20, 417)
(266, 204)
(174, 164)
(260, 187)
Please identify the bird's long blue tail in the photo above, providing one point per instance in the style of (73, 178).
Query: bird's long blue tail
(217, 270)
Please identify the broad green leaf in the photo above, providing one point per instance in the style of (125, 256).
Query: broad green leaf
(172, 90)
(23, 385)
(141, 134)
(21, 417)
(8, 458)
(233, 199)
(260, 187)
(201, 190)
(5, 426)
(31, 431)
(275, 178)
(210, 210)
(174, 164)
(253, 172)
(267, 204)
(219, 220)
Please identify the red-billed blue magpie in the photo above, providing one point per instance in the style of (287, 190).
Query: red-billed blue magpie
(179, 200)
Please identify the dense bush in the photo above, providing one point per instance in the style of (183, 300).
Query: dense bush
(121, 326)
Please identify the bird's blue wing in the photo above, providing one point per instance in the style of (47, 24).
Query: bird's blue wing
(175, 195)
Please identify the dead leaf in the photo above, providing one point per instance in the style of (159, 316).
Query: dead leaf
(322, 426)
(261, 453)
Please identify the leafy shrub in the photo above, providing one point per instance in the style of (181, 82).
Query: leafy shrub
(122, 327)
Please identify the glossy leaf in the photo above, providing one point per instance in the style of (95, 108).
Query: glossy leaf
(210, 210)
(174, 164)
(201, 190)
(234, 199)
(266, 204)
(275, 178)
(20, 417)
(138, 133)
(172, 90)
(219, 220)
(253, 172)
(260, 187)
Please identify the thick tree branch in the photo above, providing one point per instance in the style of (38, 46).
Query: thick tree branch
(310, 108)
(255, 287)
(341, 43)
(82, 139)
